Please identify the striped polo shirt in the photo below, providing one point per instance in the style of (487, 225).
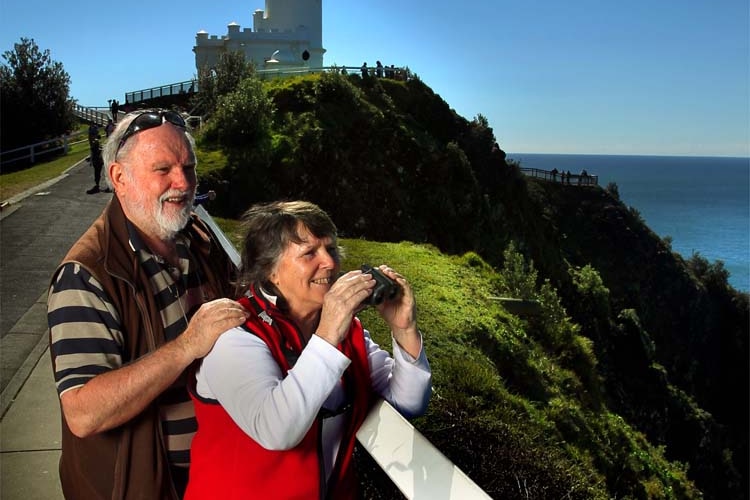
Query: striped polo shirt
(87, 338)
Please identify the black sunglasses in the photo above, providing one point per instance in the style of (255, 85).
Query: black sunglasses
(150, 119)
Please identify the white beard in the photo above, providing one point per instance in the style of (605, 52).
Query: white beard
(165, 226)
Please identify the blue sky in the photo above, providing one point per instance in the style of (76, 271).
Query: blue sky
(637, 77)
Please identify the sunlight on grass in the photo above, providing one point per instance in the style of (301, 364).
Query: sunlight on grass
(14, 183)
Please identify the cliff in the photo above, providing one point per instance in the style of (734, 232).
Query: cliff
(652, 347)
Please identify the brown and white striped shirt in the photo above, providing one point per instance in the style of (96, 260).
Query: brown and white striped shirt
(87, 337)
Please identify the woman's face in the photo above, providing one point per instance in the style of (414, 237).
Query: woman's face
(306, 271)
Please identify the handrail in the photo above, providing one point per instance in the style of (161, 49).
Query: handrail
(191, 86)
(63, 142)
(415, 466)
(186, 87)
(554, 176)
(91, 114)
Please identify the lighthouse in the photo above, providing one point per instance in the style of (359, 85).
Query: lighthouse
(287, 34)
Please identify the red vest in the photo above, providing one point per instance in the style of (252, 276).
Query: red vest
(226, 463)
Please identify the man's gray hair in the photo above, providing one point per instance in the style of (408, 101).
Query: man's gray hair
(110, 152)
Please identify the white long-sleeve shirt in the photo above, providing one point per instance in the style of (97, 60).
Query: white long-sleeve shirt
(275, 411)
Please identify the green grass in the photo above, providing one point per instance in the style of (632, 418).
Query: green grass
(14, 183)
(501, 400)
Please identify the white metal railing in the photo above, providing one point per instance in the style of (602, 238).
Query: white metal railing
(416, 467)
(32, 151)
(92, 114)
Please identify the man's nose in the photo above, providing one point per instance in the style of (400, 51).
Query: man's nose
(183, 178)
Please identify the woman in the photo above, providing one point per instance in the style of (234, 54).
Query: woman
(280, 399)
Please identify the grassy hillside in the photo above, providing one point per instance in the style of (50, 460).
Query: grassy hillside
(633, 380)
(515, 405)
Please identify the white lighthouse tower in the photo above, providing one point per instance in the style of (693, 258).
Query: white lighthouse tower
(287, 34)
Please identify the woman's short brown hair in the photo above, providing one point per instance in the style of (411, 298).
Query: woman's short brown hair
(270, 227)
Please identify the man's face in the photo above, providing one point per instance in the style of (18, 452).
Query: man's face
(157, 181)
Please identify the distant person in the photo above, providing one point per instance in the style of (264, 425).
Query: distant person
(115, 109)
(137, 299)
(93, 133)
(202, 199)
(379, 69)
(279, 400)
(554, 173)
(365, 72)
(97, 162)
(567, 177)
(109, 127)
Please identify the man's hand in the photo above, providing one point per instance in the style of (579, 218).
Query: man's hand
(208, 323)
(114, 397)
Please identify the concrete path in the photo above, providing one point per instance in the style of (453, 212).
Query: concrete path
(36, 230)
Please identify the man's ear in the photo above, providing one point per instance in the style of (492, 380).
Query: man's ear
(116, 174)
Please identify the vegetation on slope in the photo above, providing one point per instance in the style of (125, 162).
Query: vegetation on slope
(633, 380)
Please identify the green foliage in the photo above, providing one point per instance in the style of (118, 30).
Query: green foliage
(668, 241)
(242, 118)
(518, 279)
(613, 190)
(34, 96)
(592, 290)
(713, 275)
(511, 407)
(629, 344)
(221, 80)
(241, 124)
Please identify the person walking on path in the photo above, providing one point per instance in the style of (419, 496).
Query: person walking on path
(115, 109)
(98, 163)
(137, 299)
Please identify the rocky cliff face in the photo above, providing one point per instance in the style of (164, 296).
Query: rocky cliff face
(674, 341)
(390, 161)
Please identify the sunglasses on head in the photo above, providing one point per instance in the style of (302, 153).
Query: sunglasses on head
(150, 119)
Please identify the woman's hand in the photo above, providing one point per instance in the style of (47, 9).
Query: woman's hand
(401, 314)
(341, 303)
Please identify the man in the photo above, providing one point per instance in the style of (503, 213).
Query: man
(137, 299)
(97, 162)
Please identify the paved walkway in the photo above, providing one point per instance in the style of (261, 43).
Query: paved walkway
(36, 230)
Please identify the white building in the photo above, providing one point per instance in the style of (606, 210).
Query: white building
(289, 33)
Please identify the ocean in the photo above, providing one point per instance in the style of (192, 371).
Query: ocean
(702, 203)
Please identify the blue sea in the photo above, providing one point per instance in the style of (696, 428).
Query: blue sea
(702, 203)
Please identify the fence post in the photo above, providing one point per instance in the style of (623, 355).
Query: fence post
(32, 154)
(66, 146)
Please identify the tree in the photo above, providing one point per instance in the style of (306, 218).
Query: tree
(221, 80)
(34, 96)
